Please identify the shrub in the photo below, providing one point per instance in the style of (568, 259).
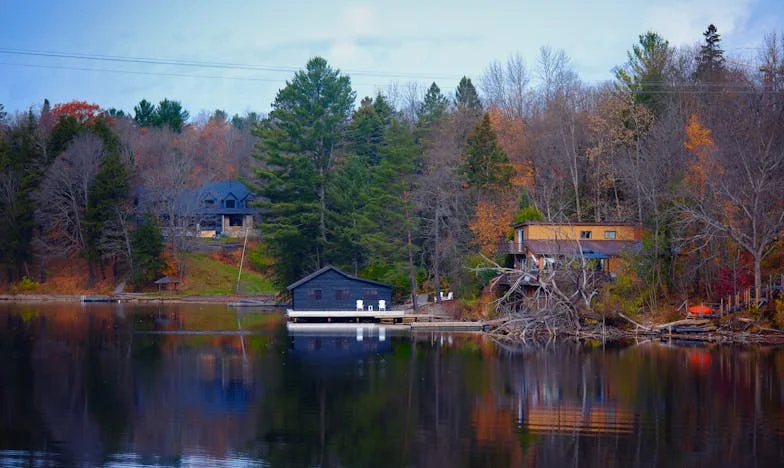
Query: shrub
(778, 315)
(24, 285)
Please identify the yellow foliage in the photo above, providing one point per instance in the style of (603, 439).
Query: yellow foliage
(490, 224)
(699, 141)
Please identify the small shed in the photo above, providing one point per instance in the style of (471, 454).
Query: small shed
(167, 282)
(331, 289)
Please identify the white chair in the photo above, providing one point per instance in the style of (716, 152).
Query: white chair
(382, 305)
(360, 304)
(449, 296)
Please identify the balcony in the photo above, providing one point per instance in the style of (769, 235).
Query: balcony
(511, 247)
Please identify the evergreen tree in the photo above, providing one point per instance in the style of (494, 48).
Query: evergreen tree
(63, 133)
(392, 206)
(170, 114)
(486, 164)
(643, 76)
(22, 162)
(710, 60)
(466, 96)
(366, 130)
(144, 114)
(297, 148)
(147, 245)
(433, 107)
(107, 194)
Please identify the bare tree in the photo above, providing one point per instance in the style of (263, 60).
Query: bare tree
(62, 197)
(442, 202)
(506, 86)
(739, 195)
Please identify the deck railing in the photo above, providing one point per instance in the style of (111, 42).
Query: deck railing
(511, 247)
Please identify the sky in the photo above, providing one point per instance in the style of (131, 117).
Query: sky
(110, 52)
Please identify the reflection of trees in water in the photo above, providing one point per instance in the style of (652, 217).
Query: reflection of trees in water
(79, 384)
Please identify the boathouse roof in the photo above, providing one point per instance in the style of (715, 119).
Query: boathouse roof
(331, 268)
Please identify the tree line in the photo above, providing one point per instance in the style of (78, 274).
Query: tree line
(413, 184)
(72, 176)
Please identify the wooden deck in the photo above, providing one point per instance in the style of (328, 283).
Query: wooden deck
(414, 322)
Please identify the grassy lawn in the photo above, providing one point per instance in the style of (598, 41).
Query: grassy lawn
(207, 277)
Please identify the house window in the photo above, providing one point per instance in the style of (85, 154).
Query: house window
(209, 203)
(585, 234)
(314, 294)
(235, 220)
(342, 294)
(229, 203)
(370, 294)
(609, 234)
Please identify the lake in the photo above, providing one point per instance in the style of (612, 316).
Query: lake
(190, 385)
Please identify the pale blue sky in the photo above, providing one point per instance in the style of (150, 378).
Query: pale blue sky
(375, 42)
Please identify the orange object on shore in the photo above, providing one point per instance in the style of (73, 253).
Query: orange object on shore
(701, 309)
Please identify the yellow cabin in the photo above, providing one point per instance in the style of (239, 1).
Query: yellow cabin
(544, 245)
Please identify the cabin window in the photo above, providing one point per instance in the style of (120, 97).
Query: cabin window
(370, 294)
(342, 294)
(314, 294)
(229, 203)
(585, 234)
(609, 234)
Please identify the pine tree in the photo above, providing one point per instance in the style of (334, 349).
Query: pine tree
(486, 164)
(107, 194)
(22, 163)
(147, 245)
(466, 96)
(366, 131)
(710, 61)
(144, 114)
(433, 107)
(298, 146)
(170, 114)
(643, 77)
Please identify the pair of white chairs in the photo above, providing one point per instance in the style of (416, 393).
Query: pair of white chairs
(382, 305)
(447, 297)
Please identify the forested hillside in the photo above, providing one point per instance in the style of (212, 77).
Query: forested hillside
(413, 185)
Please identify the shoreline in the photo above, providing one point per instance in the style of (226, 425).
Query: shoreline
(126, 298)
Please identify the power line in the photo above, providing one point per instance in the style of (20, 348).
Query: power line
(208, 64)
(149, 73)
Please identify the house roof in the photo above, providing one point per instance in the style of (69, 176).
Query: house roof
(225, 189)
(547, 223)
(166, 280)
(191, 201)
(588, 248)
(330, 267)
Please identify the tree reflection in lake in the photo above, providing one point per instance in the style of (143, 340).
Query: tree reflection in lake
(206, 385)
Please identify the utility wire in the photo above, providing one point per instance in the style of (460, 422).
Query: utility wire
(149, 73)
(207, 64)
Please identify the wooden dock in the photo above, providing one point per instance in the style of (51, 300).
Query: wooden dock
(414, 322)
(448, 326)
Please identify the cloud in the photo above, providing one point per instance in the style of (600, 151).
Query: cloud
(679, 21)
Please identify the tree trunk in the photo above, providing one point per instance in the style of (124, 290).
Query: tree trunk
(322, 221)
(410, 247)
(436, 261)
(757, 278)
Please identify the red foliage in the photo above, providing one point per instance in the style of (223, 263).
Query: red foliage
(82, 110)
(731, 280)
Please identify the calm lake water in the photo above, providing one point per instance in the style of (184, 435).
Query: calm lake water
(108, 385)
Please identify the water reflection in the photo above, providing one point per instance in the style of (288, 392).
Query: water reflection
(189, 385)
